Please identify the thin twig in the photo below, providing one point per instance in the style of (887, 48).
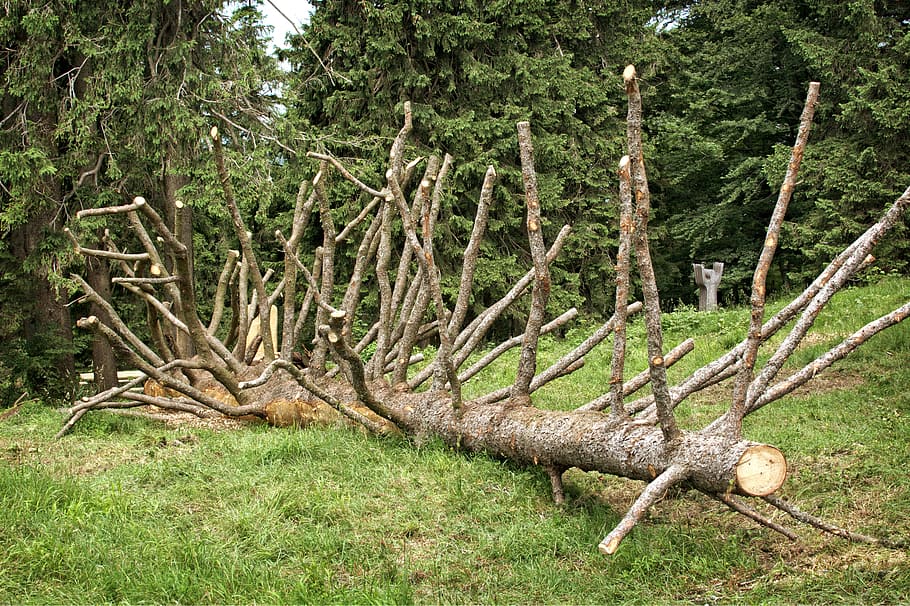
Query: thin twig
(828, 527)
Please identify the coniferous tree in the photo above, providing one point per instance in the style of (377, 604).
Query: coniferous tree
(103, 101)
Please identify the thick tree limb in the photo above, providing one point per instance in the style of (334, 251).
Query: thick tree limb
(643, 257)
(338, 335)
(527, 362)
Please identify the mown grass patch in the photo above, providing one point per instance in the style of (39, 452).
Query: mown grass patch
(128, 510)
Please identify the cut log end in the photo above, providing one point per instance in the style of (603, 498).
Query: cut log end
(609, 547)
(761, 470)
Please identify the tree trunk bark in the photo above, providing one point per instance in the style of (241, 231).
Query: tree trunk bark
(104, 362)
(713, 462)
(49, 314)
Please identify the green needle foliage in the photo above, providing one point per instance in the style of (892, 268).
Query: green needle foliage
(729, 90)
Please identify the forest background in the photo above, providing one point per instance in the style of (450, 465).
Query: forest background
(103, 100)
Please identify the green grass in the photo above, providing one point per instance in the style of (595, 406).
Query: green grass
(128, 510)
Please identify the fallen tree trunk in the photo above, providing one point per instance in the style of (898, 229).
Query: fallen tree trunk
(638, 439)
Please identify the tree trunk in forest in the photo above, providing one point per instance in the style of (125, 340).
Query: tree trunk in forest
(49, 315)
(183, 230)
(612, 434)
(104, 362)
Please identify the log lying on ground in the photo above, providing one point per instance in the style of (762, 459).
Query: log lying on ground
(285, 382)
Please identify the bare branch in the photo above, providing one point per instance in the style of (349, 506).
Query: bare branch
(223, 280)
(119, 325)
(143, 280)
(822, 525)
(754, 341)
(383, 258)
(424, 255)
(106, 254)
(110, 210)
(527, 362)
(311, 293)
(396, 153)
(338, 333)
(841, 351)
(343, 235)
(570, 360)
(327, 286)
(365, 253)
(654, 492)
(471, 336)
(245, 245)
(622, 309)
(508, 344)
(302, 208)
(640, 380)
(347, 174)
(240, 304)
(643, 257)
(752, 514)
(472, 252)
(170, 382)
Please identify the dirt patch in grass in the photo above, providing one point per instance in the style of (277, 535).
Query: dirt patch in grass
(173, 419)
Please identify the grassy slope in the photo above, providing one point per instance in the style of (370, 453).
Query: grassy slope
(128, 510)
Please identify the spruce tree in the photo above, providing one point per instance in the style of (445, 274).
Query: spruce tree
(103, 101)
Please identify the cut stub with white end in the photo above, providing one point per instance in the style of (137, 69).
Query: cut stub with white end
(761, 470)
